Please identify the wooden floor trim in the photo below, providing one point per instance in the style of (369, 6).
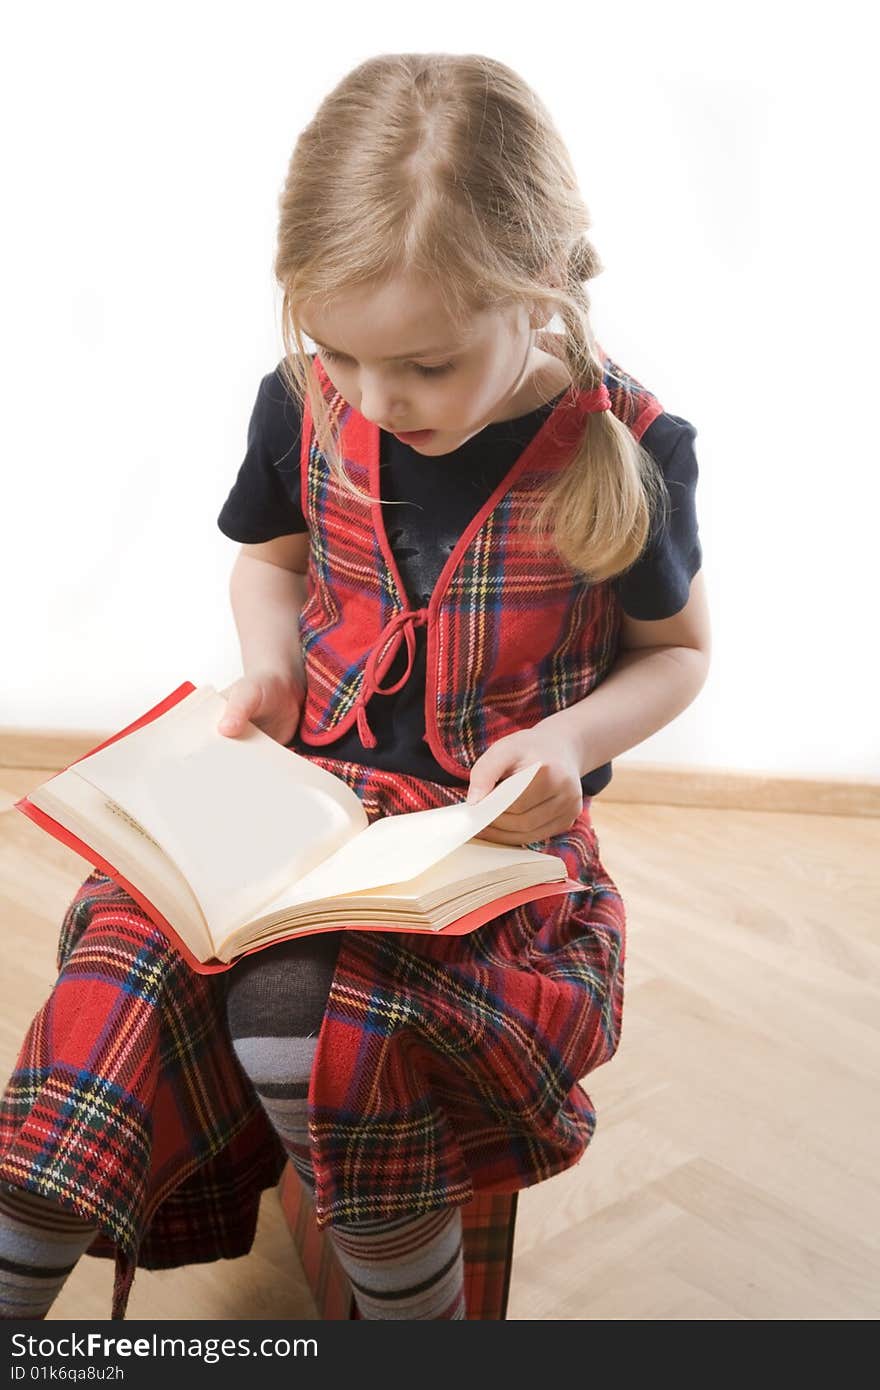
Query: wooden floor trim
(642, 783)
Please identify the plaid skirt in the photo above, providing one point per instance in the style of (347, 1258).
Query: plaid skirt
(444, 1065)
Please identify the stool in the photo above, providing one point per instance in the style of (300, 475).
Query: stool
(488, 1222)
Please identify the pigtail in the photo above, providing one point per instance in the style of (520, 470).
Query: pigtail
(598, 512)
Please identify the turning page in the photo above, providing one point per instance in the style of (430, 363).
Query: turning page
(397, 848)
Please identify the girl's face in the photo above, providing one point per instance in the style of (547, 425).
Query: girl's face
(394, 354)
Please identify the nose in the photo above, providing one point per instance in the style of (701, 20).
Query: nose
(380, 404)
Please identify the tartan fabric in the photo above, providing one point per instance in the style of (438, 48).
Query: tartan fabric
(488, 1227)
(449, 1065)
(513, 635)
(127, 1105)
(329, 1284)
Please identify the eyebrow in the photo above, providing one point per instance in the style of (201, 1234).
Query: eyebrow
(415, 352)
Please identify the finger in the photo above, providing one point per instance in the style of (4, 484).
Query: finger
(539, 790)
(238, 712)
(232, 723)
(522, 837)
(535, 789)
(548, 809)
(522, 807)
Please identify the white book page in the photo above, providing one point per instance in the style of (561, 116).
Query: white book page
(241, 816)
(96, 819)
(478, 862)
(397, 848)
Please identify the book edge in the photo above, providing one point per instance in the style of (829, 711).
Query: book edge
(184, 689)
(92, 856)
(78, 825)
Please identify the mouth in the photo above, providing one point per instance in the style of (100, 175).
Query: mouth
(413, 436)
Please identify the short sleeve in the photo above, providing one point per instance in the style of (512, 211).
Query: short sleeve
(658, 584)
(265, 501)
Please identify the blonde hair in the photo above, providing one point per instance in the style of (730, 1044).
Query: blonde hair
(449, 166)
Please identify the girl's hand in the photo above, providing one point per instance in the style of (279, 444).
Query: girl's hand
(552, 801)
(272, 700)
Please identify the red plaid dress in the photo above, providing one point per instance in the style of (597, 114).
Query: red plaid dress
(444, 1065)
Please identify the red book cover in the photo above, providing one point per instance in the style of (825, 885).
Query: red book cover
(465, 924)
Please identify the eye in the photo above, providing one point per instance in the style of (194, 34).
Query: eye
(416, 366)
(433, 371)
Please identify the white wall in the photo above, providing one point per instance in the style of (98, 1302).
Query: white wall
(726, 157)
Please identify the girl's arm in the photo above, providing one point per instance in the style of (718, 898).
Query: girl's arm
(644, 691)
(267, 590)
(660, 670)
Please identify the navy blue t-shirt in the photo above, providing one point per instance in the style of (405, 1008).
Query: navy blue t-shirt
(440, 496)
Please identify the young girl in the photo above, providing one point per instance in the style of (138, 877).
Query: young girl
(467, 544)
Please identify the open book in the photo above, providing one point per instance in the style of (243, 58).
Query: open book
(231, 844)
